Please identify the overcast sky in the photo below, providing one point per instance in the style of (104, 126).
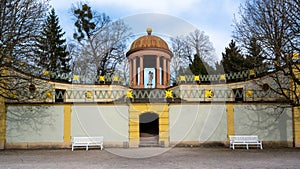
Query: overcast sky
(166, 17)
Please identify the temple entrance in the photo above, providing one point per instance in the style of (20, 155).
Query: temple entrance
(148, 124)
(149, 130)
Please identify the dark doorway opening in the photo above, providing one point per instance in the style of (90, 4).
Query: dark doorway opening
(149, 130)
(148, 124)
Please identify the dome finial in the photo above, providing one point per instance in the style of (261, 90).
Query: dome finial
(149, 30)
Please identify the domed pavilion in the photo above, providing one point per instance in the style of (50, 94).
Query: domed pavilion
(149, 60)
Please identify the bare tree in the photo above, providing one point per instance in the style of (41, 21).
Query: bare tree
(201, 45)
(20, 24)
(293, 7)
(275, 26)
(182, 53)
(186, 47)
(123, 71)
(102, 42)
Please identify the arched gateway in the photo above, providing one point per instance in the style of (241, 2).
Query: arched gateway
(148, 120)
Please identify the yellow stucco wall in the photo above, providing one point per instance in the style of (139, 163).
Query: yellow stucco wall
(136, 109)
(230, 118)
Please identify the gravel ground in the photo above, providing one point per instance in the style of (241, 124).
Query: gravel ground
(152, 158)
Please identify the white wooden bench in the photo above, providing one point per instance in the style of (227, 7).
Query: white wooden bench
(87, 142)
(245, 140)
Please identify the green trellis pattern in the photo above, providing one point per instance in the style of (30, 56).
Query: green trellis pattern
(102, 95)
(149, 94)
(44, 74)
(246, 74)
(185, 94)
(97, 94)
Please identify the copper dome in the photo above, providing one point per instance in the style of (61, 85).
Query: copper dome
(148, 41)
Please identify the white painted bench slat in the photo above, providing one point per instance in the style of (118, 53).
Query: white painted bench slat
(241, 140)
(87, 141)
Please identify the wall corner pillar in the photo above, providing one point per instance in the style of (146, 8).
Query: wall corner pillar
(230, 119)
(134, 131)
(296, 126)
(2, 124)
(67, 123)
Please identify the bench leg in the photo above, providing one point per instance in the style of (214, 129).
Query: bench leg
(247, 146)
(72, 148)
(87, 148)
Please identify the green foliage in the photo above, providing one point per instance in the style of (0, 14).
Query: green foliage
(86, 22)
(83, 23)
(51, 53)
(233, 60)
(254, 57)
(197, 67)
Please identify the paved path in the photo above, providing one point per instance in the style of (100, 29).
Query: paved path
(152, 158)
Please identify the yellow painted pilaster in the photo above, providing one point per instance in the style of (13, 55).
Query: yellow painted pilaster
(164, 127)
(230, 119)
(134, 130)
(3, 72)
(296, 110)
(296, 124)
(2, 124)
(67, 123)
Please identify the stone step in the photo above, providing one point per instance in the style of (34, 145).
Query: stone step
(149, 141)
(148, 145)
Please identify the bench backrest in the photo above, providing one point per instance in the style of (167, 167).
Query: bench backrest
(252, 138)
(88, 139)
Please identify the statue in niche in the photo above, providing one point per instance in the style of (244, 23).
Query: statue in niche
(150, 78)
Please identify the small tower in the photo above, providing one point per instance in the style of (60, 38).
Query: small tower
(149, 60)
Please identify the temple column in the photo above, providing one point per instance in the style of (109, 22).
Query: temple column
(130, 71)
(164, 72)
(134, 72)
(142, 71)
(157, 81)
(168, 72)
